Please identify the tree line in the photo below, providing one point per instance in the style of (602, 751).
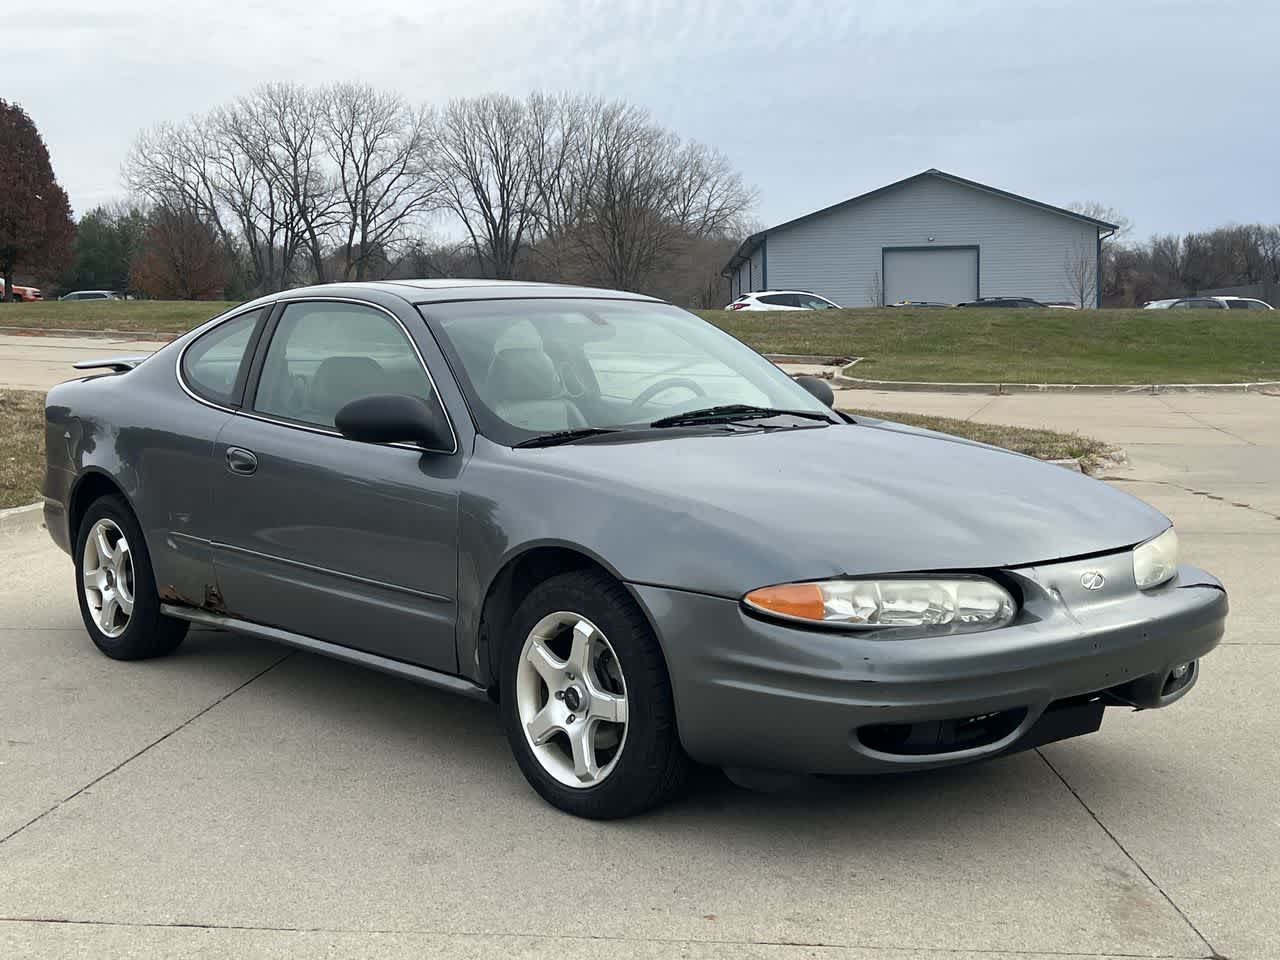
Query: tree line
(1172, 265)
(292, 184)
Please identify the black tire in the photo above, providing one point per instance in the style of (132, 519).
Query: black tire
(149, 633)
(652, 767)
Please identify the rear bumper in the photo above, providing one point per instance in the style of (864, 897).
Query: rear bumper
(754, 693)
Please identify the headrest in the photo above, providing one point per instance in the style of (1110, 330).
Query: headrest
(339, 380)
(522, 374)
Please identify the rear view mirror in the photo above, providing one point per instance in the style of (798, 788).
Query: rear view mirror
(395, 418)
(819, 388)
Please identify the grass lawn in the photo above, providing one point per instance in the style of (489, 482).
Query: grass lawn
(1045, 444)
(150, 316)
(1032, 346)
(21, 446)
(1010, 346)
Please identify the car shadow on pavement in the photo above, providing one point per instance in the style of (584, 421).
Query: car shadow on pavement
(386, 721)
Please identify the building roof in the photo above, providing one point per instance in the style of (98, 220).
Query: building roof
(752, 243)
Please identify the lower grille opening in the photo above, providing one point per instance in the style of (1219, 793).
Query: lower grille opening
(941, 736)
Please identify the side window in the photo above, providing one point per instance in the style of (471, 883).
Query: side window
(212, 363)
(324, 355)
(778, 300)
(810, 302)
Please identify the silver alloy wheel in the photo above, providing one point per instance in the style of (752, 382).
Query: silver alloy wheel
(572, 699)
(107, 571)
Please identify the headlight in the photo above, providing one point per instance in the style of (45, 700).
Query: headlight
(1156, 561)
(922, 605)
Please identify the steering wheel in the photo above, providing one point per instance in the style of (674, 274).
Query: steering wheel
(670, 383)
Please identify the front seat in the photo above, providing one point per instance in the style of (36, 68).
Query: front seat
(525, 391)
(339, 380)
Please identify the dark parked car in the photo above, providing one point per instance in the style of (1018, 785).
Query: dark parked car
(637, 536)
(1002, 302)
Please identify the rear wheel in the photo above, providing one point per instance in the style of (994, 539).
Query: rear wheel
(586, 700)
(116, 588)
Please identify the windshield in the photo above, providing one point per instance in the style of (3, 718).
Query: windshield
(532, 367)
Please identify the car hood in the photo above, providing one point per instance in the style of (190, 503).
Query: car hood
(722, 513)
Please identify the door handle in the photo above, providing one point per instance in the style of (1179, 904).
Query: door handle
(241, 461)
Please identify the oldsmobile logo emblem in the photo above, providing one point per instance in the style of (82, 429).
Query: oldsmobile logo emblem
(1092, 580)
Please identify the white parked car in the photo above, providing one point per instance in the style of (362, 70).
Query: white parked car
(90, 295)
(1208, 303)
(782, 300)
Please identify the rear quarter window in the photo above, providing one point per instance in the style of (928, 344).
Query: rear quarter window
(212, 363)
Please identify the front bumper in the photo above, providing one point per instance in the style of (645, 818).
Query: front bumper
(754, 693)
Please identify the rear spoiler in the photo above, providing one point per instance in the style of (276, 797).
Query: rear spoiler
(114, 364)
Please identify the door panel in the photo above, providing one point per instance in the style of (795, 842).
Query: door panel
(353, 543)
(348, 542)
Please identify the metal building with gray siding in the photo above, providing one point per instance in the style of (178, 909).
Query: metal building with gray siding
(933, 236)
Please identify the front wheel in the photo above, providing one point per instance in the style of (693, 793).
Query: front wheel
(586, 700)
(117, 591)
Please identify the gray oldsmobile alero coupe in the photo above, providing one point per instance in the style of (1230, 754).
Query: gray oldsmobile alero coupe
(640, 538)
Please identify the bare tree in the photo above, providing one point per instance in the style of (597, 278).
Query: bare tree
(248, 187)
(172, 165)
(336, 184)
(1100, 211)
(645, 194)
(875, 290)
(563, 174)
(279, 125)
(376, 142)
(487, 156)
(1080, 275)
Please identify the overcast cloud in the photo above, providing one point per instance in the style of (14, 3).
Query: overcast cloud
(1164, 109)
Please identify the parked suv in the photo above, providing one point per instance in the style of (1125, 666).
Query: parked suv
(782, 300)
(1208, 303)
(90, 295)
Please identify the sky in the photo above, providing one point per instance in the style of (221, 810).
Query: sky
(1165, 110)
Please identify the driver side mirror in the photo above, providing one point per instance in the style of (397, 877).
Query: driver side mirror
(396, 418)
(819, 388)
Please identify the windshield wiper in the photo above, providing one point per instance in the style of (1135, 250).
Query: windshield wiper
(565, 436)
(734, 411)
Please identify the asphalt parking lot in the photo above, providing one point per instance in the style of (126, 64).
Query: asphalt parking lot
(240, 799)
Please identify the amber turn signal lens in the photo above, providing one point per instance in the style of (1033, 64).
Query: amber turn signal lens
(803, 600)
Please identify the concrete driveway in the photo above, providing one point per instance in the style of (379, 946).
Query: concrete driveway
(38, 362)
(239, 799)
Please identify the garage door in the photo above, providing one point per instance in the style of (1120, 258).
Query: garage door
(941, 274)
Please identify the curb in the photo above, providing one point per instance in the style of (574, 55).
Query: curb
(1000, 389)
(22, 519)
(141, 335)
(825, 360)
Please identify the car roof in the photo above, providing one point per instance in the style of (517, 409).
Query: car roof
(810, 293)
(441, 290)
